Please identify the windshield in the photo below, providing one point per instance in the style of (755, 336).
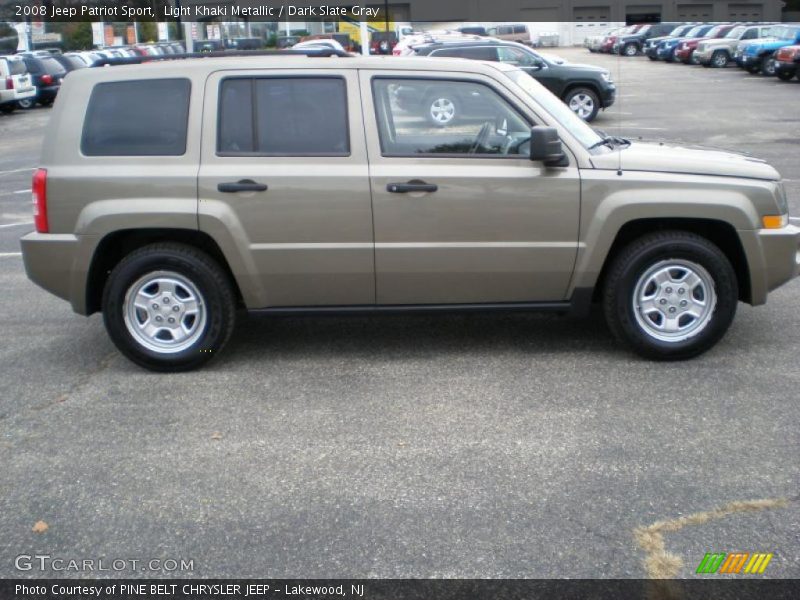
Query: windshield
(736, 32)
(557, 109)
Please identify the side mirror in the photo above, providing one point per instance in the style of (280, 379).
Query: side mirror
(546, 147)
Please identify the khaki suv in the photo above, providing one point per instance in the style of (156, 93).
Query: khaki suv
(289, 184)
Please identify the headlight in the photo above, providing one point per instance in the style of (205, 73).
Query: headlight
(607, 76)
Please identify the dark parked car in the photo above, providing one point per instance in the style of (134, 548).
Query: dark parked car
(382, 42)
(70, 62)
(632, 43)
(787, 62)
(47, 74)
(651, 45)
(584, 88)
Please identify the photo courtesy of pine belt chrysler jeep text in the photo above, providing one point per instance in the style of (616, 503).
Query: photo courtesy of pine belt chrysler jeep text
(295, 184)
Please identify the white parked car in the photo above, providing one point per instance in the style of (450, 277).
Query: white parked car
(15, 83)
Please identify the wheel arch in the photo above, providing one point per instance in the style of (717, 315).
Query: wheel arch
(720, 233)
(114, 246)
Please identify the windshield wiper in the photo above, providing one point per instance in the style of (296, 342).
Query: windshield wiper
(610, 141)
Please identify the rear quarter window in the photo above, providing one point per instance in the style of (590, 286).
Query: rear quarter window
(137, 118)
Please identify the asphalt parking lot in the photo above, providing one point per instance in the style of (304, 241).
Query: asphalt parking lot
(513, 446)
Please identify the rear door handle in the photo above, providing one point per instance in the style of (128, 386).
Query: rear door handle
(245, 185)
(411, 186)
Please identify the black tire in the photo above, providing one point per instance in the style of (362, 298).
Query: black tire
(630, 50)
(653, 58)
(784, 75)
(720, 59)
(26, 103)
(47, 102)
(768, 67)
(754, 69)
(571, 94)
(200, 270)
(441, 98)
(633, 262)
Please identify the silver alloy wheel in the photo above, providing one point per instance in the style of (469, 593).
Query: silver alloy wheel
(674, 300)
(720, 59)
(25, 103)
(769, 67)
(164, 312)
(582, 105)
(442, 110)
(630, 50)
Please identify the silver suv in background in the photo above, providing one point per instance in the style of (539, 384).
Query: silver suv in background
(720, 52)
(15, 83)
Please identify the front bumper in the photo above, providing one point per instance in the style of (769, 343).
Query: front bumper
(608, 95)
(779, 250)
(748, 60)
(787, 67)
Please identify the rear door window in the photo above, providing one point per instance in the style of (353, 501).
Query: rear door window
(480, 53)
(137, 118)
(283, 116)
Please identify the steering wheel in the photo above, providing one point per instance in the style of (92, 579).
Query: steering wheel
(483, 135)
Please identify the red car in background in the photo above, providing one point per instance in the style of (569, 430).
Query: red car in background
(610, 40)
(685, 50)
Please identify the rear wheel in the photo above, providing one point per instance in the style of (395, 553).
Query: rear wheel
(583, 102)
(670, 295)
(169, 307)
(720, 59)
(26, 103)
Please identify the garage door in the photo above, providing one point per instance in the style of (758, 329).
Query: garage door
(695, 12)
(588, 20)
(643, 13)
(745, 12)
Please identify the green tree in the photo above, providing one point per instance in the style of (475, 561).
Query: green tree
(77, 36)
(148, 32)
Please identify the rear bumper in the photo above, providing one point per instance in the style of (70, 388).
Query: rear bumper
(58, 263)
(14, 95)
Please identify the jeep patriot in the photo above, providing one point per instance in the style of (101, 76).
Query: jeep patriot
(295, 184)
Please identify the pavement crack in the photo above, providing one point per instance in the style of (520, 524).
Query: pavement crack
(660, 564)
(81, 382)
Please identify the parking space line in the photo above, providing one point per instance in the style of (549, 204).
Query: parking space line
(660, 564)
(5, 225)
(17, 171)
(9, 254)
(28, 191)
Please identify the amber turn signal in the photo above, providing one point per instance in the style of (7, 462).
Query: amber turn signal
(775, 221)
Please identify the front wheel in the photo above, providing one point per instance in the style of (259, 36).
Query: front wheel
(784, 75)
(720, 59)
(670, 295)
(630, 50)
(583, 102)
(169, 307)
(768, 67)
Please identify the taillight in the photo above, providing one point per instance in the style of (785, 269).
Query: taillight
(39, 189)
(9, 83)
(47, 79)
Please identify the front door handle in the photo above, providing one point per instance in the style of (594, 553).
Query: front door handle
(245, 185)
(411, 186)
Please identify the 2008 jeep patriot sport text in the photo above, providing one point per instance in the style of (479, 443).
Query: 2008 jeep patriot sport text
(298, 183)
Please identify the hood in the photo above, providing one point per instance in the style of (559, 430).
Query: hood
(566, 63)
(667, 158)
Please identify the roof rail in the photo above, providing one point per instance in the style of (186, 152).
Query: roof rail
(136, 60)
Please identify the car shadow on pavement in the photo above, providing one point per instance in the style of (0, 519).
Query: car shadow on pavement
(257, 336)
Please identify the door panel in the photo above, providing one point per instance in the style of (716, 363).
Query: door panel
(307, 239)
(497, 229)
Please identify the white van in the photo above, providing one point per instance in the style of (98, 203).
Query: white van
(15, 83)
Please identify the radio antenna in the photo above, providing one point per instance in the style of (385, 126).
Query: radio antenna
(619, 112)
